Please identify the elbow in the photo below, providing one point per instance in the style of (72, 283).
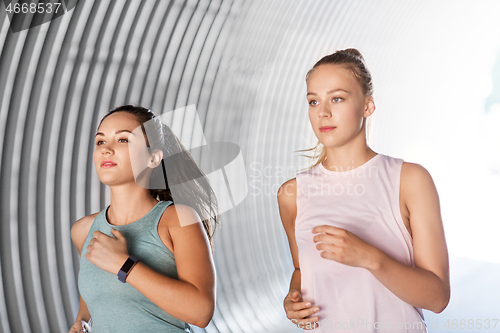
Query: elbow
(442, 303)
(203, 320)
(202, 323)
(205, 313)
(441, 307)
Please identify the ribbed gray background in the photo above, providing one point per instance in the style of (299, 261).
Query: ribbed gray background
(242, 63)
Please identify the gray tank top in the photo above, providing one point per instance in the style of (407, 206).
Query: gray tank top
(119, 307)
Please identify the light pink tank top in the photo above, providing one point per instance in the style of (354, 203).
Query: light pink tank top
(364, 201)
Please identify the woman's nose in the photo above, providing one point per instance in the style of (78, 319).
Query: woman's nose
(105, 149)
(324, 111)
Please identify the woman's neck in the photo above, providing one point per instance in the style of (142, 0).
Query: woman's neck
(347, 158)
(128, 205)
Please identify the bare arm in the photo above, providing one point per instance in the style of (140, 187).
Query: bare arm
(191, 298)
(295, 280)
(287, 196)
(427, 285)
(295, 307)
(79, 232)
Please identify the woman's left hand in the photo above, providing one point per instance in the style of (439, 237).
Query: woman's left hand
(106, 252)
(344, 247)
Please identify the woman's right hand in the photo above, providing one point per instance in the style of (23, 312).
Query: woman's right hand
(297, 311)
(79, 327)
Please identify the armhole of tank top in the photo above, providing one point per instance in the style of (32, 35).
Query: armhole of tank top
(297, 177)
(397, 210)
(89, 235)
(156, 235)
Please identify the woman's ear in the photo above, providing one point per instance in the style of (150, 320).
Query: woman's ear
(155, 158)
(369, 107)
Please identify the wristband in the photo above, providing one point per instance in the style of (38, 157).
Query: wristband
(127, 266)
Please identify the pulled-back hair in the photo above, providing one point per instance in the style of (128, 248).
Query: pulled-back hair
(192, 187)
(352, 60)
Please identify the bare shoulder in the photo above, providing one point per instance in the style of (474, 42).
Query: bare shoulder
(80, 230)
(287, 201)
(418, 190)
(173, 218)
(180, 215)
(183, 232)
(414, 171)
(415, 178)
(287, 193)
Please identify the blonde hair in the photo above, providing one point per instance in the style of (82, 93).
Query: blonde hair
(352, 60)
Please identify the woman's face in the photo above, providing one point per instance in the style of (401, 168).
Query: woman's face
(337, 105)
(119, 139)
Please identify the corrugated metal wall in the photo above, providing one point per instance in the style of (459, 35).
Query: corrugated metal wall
(242, 63)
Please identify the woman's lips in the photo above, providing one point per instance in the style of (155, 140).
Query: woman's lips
(326, 129)
(107, 164)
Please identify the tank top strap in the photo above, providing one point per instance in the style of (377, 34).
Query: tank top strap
(157, 211)
(151, 220)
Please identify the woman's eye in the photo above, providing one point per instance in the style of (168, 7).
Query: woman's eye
(313, 102)
(97, 143)
(337, 99)
(123, 139)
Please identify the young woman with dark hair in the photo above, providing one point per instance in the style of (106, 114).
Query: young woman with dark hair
(146, 261)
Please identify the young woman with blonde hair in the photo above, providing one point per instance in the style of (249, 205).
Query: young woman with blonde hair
(364, 229)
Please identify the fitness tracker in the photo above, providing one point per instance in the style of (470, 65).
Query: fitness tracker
(127, 266)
